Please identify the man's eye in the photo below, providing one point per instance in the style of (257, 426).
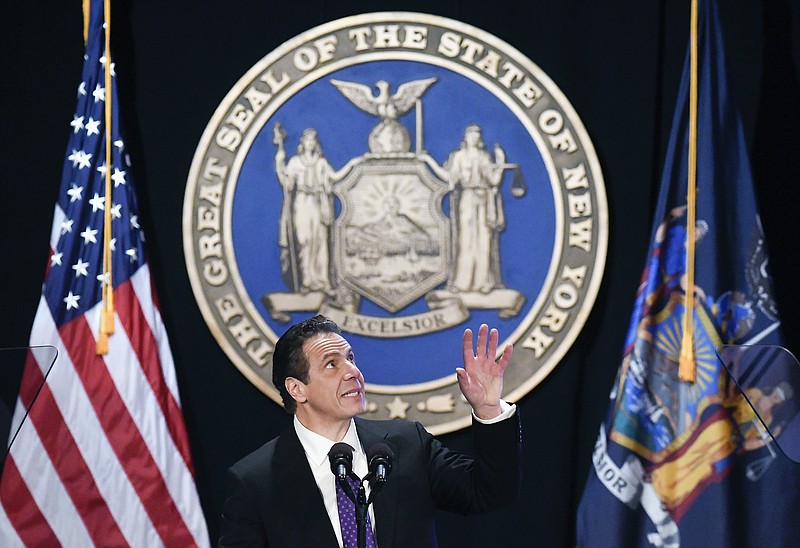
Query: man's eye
(330, 365)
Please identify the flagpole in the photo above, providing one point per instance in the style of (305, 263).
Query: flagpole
(686, 368)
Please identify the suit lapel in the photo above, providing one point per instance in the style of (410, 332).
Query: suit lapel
(385, 508)
(304, 513)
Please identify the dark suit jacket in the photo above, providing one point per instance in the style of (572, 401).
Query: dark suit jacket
(273, 500)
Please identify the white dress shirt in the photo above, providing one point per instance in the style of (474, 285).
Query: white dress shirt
(316, 448)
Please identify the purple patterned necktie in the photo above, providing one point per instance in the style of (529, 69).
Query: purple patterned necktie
(347, 517)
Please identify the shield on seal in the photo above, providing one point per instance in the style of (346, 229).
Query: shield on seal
(392, 239)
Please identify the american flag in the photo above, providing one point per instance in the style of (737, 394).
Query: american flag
(103, 458)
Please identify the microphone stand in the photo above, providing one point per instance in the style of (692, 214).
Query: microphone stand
(361, 516)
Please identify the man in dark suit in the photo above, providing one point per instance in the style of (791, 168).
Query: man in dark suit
(284, 493)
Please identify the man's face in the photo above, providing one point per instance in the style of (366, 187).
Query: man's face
(335, 389)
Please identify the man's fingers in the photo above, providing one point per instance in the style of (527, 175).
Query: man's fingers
(483, 333)
(467, 349)
(464, 379)
(506, 357)
(491, 352)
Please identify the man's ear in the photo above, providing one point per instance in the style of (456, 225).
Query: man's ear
(296, 389)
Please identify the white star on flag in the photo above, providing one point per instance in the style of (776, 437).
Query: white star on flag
(103, 63)
(92, 127)
(83, 159)
(55, 259)
(97, 203)
(99, 93)
(77, 124)
(88, 235)
(66, 226)
(132, 254)
(74, 158)
(118, 177)
(115, 211)
(80, 268)
(72, 300)
(75, 192)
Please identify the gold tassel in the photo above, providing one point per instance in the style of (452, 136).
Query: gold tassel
(107, 310)
(87, 15)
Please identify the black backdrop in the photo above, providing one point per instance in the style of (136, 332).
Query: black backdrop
(618, 63)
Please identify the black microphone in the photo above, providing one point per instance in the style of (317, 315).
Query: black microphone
(341, 457)
(380, 458)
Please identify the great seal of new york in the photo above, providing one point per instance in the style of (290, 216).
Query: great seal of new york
(408, 176)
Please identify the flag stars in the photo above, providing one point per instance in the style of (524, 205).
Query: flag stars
(104, 278)
(84, 160)
(103, 63)
(66, 226)
(82, 89)
(77, 124)
(80, 268)
(92, 127)
(118, 177)
(98, 203)
(88, 235)
(115, 210)
(119, 144)
(79, 159)
(112, 244)
(99, 93)
(74, 193)
(55, 258)
(132, 254)
(72, 300)
(101, 169)
(135, 221)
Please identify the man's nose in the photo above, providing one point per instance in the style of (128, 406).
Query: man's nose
(352, 371)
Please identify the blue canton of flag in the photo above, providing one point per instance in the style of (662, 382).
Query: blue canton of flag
(674, 463)
(76, 288)
(103, 458)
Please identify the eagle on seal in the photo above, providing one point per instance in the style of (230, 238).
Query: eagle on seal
(389, 136)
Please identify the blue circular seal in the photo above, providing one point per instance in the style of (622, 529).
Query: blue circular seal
(407, 176)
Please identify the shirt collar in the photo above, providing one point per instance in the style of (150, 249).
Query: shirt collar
(316, 446)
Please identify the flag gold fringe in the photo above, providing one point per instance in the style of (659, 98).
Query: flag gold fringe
(687, 364)
(107, 311)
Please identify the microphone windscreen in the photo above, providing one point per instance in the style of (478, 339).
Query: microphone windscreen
(341, 449)
(380, 449)
(341, 459)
